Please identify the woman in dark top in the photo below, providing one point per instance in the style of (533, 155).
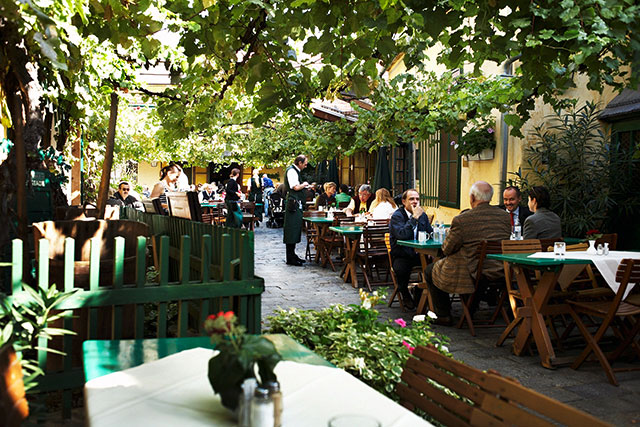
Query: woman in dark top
(327, 198)
(544, 223)
(231, 200)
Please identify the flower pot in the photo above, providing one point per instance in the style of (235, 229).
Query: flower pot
(486, 154)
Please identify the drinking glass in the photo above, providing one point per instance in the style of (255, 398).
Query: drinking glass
(353, 420)
(422, 236)
(559, 249)
(517, 232)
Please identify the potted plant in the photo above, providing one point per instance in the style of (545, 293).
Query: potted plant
(477, 143)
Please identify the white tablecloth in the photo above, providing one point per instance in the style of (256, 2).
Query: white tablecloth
(175, 391)
(607, 265)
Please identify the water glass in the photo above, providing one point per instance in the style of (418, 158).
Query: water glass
(559, 249)
(422, 236)
(320, 208)
(517, 232)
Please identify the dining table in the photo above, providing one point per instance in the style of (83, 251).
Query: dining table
(164, 382)
(536, 295)
(351, 235)
(321, 225)
(429, 251)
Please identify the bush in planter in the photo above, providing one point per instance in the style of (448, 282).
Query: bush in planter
(480, 137)
(352, 338)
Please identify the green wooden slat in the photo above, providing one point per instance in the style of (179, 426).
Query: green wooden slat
(164, 280)
(118, 265)
(226, 304)
(94, 283)
(141, 272)
(226, 257)
(43, 263)
(205, 256)
(69, 263)
(257, 313)
(244, 310)
(42, 354)
(247, 258)
(16, 265)
(183, 306)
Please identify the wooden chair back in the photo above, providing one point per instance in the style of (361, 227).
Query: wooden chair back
(184, 205)
(343, 205)
(157, 204)
(429, 380)
(13, 403)
(346, 220)
(149, 206)
(521, 246)
(315, 214)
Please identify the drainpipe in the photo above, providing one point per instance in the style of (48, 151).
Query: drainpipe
(507, 72)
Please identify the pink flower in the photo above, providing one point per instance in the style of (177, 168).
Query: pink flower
(453, 143)
(400, 321)
(406, 344)
(490, 130)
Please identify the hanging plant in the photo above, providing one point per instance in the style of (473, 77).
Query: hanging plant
(478, 138)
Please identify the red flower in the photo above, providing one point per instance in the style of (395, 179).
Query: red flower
(593, 231)
(220, 323)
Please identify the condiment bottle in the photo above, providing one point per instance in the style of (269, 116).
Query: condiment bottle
(276, 396)
(261, 408)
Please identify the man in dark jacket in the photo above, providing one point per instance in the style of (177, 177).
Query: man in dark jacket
(404, 225)
(512, 198)
(123, 197)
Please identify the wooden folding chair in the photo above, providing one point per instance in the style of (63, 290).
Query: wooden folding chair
(13, 404)
(456, 394)
(331, 240)
(515, 247)
(396, 290)
(612, 313)
(311, 232)
(373, 252)
(486, 247)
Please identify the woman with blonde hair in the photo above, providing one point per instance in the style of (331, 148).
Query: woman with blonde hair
(383, 206)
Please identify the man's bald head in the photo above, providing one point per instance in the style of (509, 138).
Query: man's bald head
(480, 192)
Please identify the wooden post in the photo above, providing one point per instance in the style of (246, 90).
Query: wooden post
(103, 192)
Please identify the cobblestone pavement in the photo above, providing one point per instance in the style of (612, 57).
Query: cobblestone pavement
(314, 287)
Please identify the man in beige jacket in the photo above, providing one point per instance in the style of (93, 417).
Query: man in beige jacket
(455, 273)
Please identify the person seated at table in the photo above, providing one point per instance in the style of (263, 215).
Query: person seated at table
(405, 224)
(544, 223)
(454, 274)
(512, 198)
(362, 203)
(383, 206)
(168, 182)
(343, 194)
(327, 198)
(207, 193)
(123, 197)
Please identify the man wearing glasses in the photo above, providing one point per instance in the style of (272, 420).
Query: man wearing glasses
(123, 197)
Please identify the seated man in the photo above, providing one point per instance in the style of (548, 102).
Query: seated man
(512, 198)
(123, 198)
(455, 273)
(362, 202)
(405, 223)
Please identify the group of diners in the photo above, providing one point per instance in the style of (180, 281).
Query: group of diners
(454, 272)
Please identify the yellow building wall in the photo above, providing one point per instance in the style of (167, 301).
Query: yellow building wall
(489, 170)
(148, 175)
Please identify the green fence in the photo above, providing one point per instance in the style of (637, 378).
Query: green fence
(197, 269)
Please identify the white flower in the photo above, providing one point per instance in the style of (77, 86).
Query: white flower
(292, 309)
(375, 293)
(359, 363)
(418, 318)
(432, 315)
(366, 304)
(444, 348)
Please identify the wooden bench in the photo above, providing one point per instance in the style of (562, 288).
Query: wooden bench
(431, 381)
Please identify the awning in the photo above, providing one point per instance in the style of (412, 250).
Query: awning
(624, 106)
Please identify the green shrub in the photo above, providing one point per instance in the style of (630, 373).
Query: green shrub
(352, 338)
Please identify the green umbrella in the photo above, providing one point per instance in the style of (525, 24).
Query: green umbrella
(332, 173)
(382, 177)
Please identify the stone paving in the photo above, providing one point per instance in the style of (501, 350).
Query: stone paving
(314, 287)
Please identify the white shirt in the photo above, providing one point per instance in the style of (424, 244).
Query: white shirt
(292, 177)
(384, 210)
(516, 215)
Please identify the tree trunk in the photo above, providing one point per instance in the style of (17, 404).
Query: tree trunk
(103, 192)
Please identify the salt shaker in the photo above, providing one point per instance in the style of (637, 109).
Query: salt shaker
(262, 414)
(600, 249)
(276, 396)
(606, 248)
